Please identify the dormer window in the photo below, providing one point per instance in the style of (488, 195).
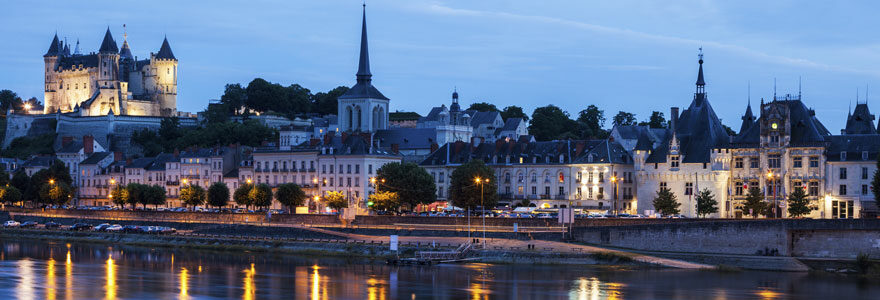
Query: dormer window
(843, 156)
(674, 161)
(864, 155)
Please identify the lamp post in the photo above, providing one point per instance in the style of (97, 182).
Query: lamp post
(614, 194)
(773, 186)
(482, 183)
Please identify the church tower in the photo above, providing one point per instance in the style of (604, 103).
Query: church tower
(363, 108)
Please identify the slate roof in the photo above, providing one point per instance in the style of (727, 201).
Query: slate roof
(165, 51)
(39, 161)
(532, 153)
(364, 88)
(140, 163)
(853, 145)
(54, 47)
(406, 138)
(363, 91)
(510, 124)
(748, 120)
(231, 174)
(861, 121)
(125, 52)
(72, 147)
(108, 45)
(482, 117)
(806, 130)
(352, 144)
(197, 153)
(160, 160)
(95, 158)
(73, 62)
(433, 114)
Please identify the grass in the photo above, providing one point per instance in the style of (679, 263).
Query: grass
(612, 257)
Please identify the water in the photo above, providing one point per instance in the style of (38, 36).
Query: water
(39, 270)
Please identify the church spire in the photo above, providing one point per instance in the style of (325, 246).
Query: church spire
(363, 74)
(701, 83)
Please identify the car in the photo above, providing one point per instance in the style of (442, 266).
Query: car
(29, 224)
(11, 223)
(113, 228)
(80, 227)
(132, 229)
(101, 227)
(50, 225)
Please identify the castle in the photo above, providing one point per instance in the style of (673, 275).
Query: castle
(111, 81)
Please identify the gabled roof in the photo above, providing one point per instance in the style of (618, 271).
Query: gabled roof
(165, 51)
(483, 117)
(94, 158)
(140, 163)
(510, 124)
(406, 138)
(71, 147)
(39, 161)
(160, 160)
(108, 45)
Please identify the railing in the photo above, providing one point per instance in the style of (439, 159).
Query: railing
(172, 183)
(561, 196)
(545, 196)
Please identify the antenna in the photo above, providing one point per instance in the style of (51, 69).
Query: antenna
(750, 93)
(124, 33)
(701, 53)
(799, 88)
(774, 88)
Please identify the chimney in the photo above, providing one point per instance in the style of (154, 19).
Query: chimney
(344, 136)
(498, 144)
(314, 142)
(88, 144)
(128, 161)
(117, 156)
(434, 147)
(66, 140)
(673, 118)
(395, 148)
(579, 148)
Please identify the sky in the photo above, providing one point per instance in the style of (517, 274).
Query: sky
(623, 55)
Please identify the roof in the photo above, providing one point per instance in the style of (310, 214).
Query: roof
(406, 138)
(39, 161)
(364, 88)
(160, 160)
(483, 117)
(198, 152)
(140, 163)
(403, 116)
(510, 124)
(54, 47)
(363, 91)
(861, 121)
(806, 130)
(108, 45)
(165, 51)
(231, 174)
(542, 153)
(71, 147)
(95, 158)
(349, 144)
(854, 145)
(125, 52)
(73, 62)
(433, 114)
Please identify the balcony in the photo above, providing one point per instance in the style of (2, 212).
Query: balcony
(505, 196)
(311, 169)
(545, 196)
(172, 183)
(561, 196)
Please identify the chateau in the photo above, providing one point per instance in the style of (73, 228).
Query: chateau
(110, 81)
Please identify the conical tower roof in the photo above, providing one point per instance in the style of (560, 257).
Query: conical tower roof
(54, 47)
(108, 45)
(165, 51)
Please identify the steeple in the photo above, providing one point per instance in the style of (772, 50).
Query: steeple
(454, 107)
(747, 119)
(54, 47)
(125, 52)
(165, 51)
(76, 50)
(701, 84)
(66, 48)
(108, 45)
(363, 74)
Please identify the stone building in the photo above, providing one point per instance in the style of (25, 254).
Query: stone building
(111, 80)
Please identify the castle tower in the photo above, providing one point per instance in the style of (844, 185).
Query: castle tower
(164, 66)
(108, 61)
(51, 82)
(363, 107)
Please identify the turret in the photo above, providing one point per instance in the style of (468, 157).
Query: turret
(51, 63)
(165, 65)
(108, 60)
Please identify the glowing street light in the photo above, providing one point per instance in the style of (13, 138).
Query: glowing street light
(27, 107)
(51, 181)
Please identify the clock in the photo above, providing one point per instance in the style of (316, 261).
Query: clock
(774, 125)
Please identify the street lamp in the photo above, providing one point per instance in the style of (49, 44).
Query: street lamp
(614, 196)
(482, 183)
(27, 108)
(52, 181)
(773, 185)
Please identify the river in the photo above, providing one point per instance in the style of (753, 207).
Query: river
(46, 270)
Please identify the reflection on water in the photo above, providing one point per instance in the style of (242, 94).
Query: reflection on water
(30, 270)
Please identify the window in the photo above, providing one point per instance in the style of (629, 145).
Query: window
(534, 177)
(357, 169)
(774, 161)
(754, 162)
(662, 184)
(562, 191)
(547, 191)
(601, 177)
(323, 168)
(688, 188)
(843, 156)
(590, 177)
(519, 190)
(797, 162)
(534, 190)
(864, 189)
(348, 169)
(546, 177)
(814, 188)
(814, 161)
(331, 169)
(442, 177)
(601, 194)
(738, 163)
(520, 178)
(369, 169)
(842, 173)
(673, 161)
(506, 177)
(739, 188)
(864, 173)
(864, 155)
(842, 190)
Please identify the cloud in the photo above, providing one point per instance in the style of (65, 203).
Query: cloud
(613, 31)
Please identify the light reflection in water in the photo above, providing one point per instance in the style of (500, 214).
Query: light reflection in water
(376, 289)
(68, 276)
(250, 289)
(593, 289)
(51, 290)
(768, 294)
(111, 279)
(316, 283)
(25, 288)
(184, 283)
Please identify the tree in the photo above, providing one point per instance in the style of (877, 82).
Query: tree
(169, 128)
(290, 195)
(154, 195)
(525, 202)
(297, 101)
(465, 192)
(384, 201)
(655, 121)
(192, 195)
(623, 118)
(149, 141)
(412, 183)
(234, 98)
(4, 178)
(218, 194)
(875, 182)
(20, 179)
(666, 203)
(137, 194)
(261, 195)
(9, 99)
(263, 96)
(336, 200)
(483, 106)
(57, 193)
(10, 194)
(119, 195)
(326, 103)
(798, 204)
(514, 111)
(550, 122)
(592, 120)
(706, 203)
(242, 196)
(754, 204)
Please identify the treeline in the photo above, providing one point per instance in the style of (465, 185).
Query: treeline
(266, 97)
(172, 136)
(552, 123)
(52, 186)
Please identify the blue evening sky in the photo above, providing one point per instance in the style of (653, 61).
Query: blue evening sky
(636, 56)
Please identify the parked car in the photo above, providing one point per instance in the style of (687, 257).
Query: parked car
(29, 224)
(51, 225)
(11, 223)
(80, 227)
(101, 227)
(113, 228)
(132, 229)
